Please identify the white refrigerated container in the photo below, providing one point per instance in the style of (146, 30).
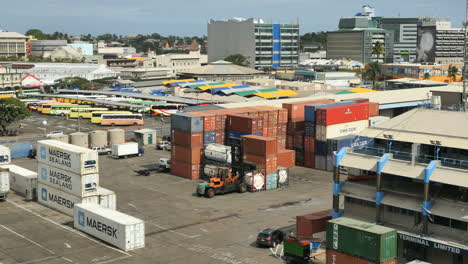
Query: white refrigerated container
(22, 181)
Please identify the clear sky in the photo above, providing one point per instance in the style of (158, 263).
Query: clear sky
(189, 17)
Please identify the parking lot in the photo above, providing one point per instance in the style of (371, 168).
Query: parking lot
(179, 225)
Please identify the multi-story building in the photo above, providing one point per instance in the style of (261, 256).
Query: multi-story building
(87, 49)
(45, 47)
(438, 42)
(263, 43)
(9, 77)
(13, 44)
(405, 37)
(414, 178)
(180, 62)
(356, 38)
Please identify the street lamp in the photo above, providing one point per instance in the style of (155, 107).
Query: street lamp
(44, 122)
(389, 139)
(437, 145)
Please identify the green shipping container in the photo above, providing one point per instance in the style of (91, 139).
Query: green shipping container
(296, 250)
(361, 239)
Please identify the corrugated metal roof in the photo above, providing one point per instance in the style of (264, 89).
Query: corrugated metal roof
(283, 93)
(266, 95)
(250, 92)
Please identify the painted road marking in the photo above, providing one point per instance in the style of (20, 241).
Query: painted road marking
(31, 241)
(172, 231)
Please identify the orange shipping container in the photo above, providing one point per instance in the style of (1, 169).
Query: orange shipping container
(261, 146)
(289, 142)
(282, 130)
(373, 109)
(270, 163)
(286, 158)
(310, 224)
(187, 139)
(334, 257)
(244, 124)
(281, 143)
(186, 170)
(296, 109)
(282, 116)
(188, 155)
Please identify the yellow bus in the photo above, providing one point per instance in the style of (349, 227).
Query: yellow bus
(65, 109)
(45, 107)
(85, 112)
(96, 116)
(121, 120)
(7, 94)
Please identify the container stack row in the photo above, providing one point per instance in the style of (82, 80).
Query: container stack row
(68, 175)
(353, 241)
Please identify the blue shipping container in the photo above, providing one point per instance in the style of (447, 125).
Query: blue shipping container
(209, 137)
(20, 150)
(309, 110)
(187, 122)
(321, 148)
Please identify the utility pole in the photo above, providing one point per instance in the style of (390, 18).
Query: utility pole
(465, 49)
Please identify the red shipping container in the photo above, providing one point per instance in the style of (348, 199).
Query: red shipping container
(244, 124)
(342, 114)
(299, 140)
(187, 139)
(273, 130)
(310, 224)
(269, 163)
(188, 155)
(309, 144)
(220, 136)
(309, 159)
(261, 146)
(286, 158)
(296, 109)
(281, 143)
(209, 120)
(335, 257)
(289, 141)
(373, 109)
(294, 126)
(282, 116)
(186, 170)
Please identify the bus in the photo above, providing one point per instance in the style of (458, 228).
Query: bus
(96, 116)
(45, 106)
(166, 109)
(65, 109)
(7, 94)
(85, 112)
(25, 92)
(32, 105)
(121, 120)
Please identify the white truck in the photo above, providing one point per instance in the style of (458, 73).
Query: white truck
(126, 150)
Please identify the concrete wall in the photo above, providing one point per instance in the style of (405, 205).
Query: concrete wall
(345, 45)
(231, 37)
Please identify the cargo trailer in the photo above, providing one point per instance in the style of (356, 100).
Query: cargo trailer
(22, 181)
(4, 183)
(127, 150)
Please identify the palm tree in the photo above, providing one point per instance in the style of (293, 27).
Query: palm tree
(378, 49)
(372, 72)
(452, 72)
(427, 76)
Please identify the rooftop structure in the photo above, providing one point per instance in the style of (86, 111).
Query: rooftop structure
(221, 71)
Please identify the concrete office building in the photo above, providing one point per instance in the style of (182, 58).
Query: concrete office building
(355, 39)
(13, 44)
(265, 44)
(414, 179)
(9, 77)
(180, 62)
(46, 47)
(405, 37)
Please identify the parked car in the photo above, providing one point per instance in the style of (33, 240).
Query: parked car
(269, 238)
(102, 150)
(163, 145)
(54, 133)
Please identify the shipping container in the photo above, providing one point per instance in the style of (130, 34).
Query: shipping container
(294, 126)
(61, 201)
(309, 159)
(351, 141)
(218, 153)
(210, 171)
(365, 240)
(269, 163)
(4, 182)
(22, 181)
(255, 180)
(309, 129)
(377, 120)
(286, 158)
(310, 224)
(234, 136)
(187, 139)
(107, 198)
(330, 163)
(271, 181)
(311, 110)
(282, 116)
(75, 184)
(209, 137)
(320, 162)
(188, 155)
(186, 170)
(187, 122)
(321, 147)
(220, 137)
(209, 120)
(261, 146)
(296, 249)
(299, 140)
(281, 143)
(342, 114)
(290, 142)
(309, 144)
(296, 109)
(5, 155)
(125, 150)
(283, 177)
(282, 130)
(373, 109)
(244, 124)
(339, 130)
(359, 100)
(68, 157)
(118, 229)
(335, 257)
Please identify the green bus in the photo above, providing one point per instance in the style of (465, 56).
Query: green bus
(65, 109)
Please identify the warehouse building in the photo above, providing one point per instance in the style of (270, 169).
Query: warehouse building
(42, 48)
(413, 179)
(263, 43)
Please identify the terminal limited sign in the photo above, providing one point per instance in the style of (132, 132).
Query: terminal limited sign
(433, 244)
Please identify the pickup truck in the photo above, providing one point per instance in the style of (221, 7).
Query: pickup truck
(164, 145)
(102, 150)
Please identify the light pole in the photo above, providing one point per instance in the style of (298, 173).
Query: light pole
(44, 122)
(389, 139)
(437, 145)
